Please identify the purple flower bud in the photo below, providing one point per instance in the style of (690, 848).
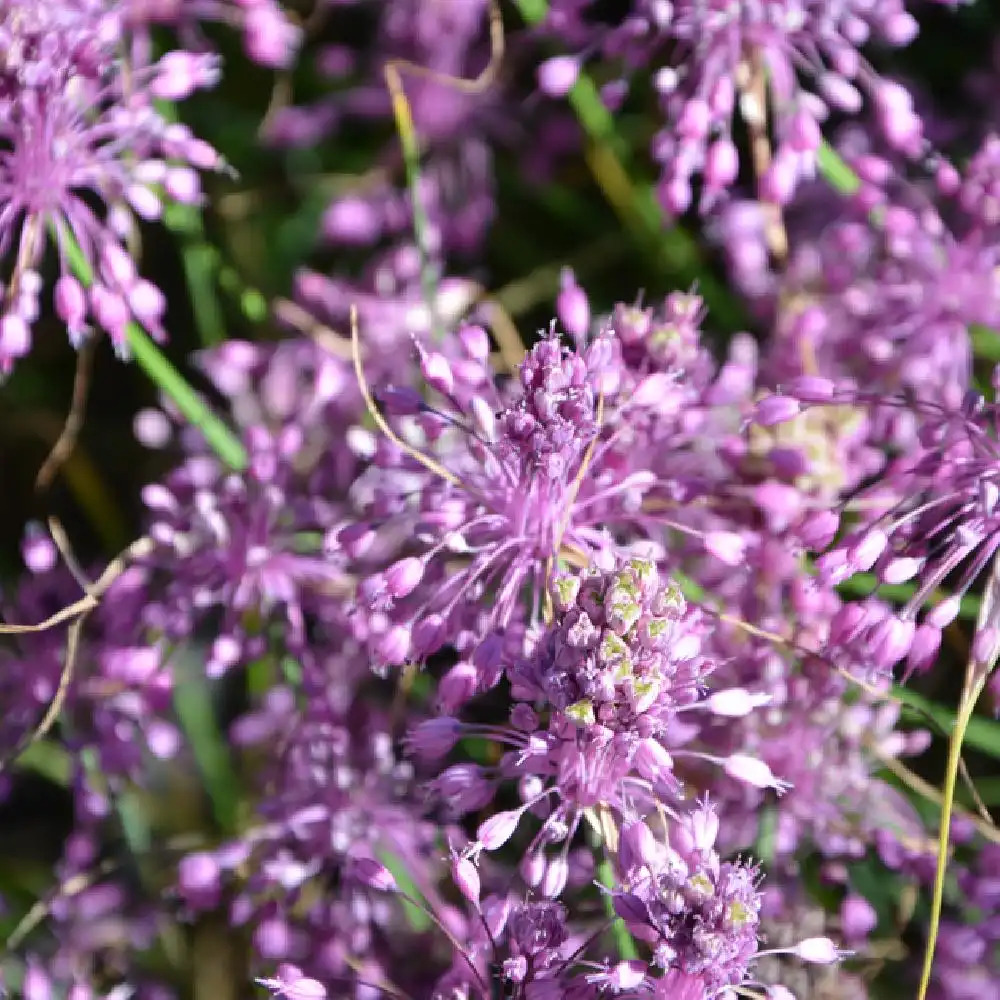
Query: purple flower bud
(638, 847)
(772, 410)
(37, 549)
(901, 569)
(857, 917)
(818, 529)
(752, 771)
(70, 302)
(654, 389)
(900, 28)
(901, 125)
(458, 686)
(727, 546)
(734, 703)
(355, 539)
(429, 635)
(924, 648)
(394, 645)
(722, 164)
(572, 306)
(532, 868)
(841, 94)
(403, 576)
(810, 389)
(199, 880)
(498, 829)
(556, 76)
(15, 337)
(695, 120)
(465, 875)
(36, 985)
(803, 134)
(373, 874)
(865, 551)
(891, 641)
(632, 910)
(777, 183)
(272, 939)
(475, 342)
(555, 877)
(437, 372)
(400, 401)
(818, 950)
(652, 760)
(353, 221)
(434, 738)
(488, 657)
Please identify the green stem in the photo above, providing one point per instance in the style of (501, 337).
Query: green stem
(835, 170)
(200, 261)
(623, 940)
(965, 710)
(153, 362)
(411, 160)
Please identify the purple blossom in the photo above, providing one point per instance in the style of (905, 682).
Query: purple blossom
(623, 647)
(711, 61)
(76, 98)
(932, 516)
(699, 914)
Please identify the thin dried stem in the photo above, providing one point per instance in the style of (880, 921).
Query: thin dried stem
(753, 105)
(287, 311)
(70, 434)
(425, 460)
(75, 613)
(927, 791)
(410, 142)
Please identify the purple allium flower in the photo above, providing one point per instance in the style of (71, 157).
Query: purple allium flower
(699, 914)
(623, 647)
(709, 60)
(497, 484)
(247, 547)
(889, 305)
(78, 125)
(506, 504)
(933, 515)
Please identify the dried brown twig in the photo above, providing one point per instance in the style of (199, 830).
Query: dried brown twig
(76, 614)
(68, 437)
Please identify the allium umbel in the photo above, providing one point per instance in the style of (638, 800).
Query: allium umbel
(79, 128)
(795, 63)
(623, 646)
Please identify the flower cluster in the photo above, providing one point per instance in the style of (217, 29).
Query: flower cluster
(81, 124)
(480, 667)
(798, 62)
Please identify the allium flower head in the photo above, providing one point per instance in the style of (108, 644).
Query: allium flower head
(79, 127)
(700, 914)
(230, 543)
(505, 501)
(713, 58)
(622, 645)
(935, 514)
(498, 482)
